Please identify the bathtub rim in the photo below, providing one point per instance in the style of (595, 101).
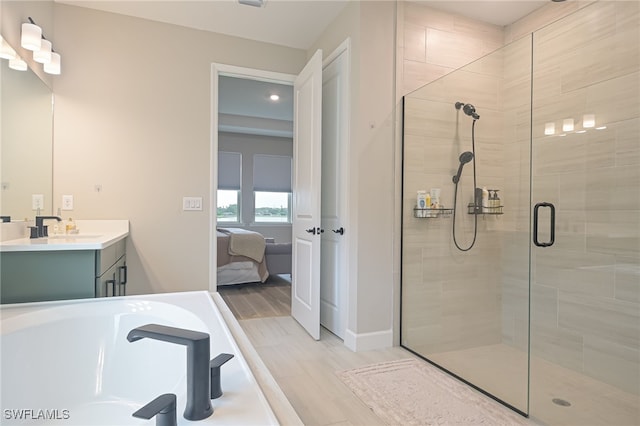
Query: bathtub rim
(275, 397)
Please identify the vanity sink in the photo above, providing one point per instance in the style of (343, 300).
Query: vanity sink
(73, 237)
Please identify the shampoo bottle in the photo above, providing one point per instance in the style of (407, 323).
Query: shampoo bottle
(485, 200)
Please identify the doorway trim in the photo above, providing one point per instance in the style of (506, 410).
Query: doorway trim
(218, 70)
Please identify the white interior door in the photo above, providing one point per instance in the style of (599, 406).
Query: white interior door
(334, 187)
(307, 156)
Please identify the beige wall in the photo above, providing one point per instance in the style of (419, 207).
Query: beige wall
(371, 29)
(133, 115)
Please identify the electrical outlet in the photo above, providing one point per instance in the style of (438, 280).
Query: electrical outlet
(37, 201)
(67, 202)
(192, 203)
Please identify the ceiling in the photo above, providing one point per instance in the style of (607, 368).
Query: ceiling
(292, 23)
(500, 13)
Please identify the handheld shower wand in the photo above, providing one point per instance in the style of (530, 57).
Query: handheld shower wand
(465, 157)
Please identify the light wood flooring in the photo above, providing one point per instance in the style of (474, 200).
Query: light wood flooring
(259, 300)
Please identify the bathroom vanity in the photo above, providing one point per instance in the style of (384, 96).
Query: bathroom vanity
(89, 264)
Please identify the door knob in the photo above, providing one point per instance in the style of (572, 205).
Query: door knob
(311, 231)
(339, 231)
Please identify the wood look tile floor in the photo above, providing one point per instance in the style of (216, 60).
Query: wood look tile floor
(305, 370)
(258, 300)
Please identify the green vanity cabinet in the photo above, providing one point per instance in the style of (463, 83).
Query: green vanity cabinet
(36, 276)
(111, 271)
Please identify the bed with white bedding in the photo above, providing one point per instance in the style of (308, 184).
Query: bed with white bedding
(241, 257)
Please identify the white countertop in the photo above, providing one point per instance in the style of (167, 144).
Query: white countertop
(92, 235)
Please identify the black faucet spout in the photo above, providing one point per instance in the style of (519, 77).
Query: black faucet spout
(40, 224)
(198, 378)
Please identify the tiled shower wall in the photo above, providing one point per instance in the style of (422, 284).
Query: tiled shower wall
(454, 297)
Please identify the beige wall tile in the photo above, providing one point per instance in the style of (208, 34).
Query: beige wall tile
(415, 37)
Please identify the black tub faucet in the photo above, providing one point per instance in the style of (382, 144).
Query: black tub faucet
(198, 377)
(42, 230)
(163, 407)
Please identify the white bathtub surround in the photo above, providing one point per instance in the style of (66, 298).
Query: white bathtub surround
(92, 235)
(74, 356)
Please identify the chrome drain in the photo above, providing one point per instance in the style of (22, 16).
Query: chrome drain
(561, 402)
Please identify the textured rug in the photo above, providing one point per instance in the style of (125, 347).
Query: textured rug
(413, 392)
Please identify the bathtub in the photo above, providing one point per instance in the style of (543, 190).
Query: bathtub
(69, 363)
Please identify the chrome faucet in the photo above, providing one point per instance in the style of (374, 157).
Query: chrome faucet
(198, 376)
(42, 230)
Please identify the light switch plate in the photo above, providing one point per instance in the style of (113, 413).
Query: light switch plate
(67, 202)
(37, 201)
(192, 203)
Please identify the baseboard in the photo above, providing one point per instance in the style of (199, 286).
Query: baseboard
(368, 341)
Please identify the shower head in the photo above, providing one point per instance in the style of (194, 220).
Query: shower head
(468, 109)
(465, 157)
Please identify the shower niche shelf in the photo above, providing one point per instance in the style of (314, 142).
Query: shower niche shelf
(473, 209)
(431, 213)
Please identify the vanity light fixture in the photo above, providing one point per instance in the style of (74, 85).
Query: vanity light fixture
(31, 38)
(588, 121)
(44, 54)
(550, 128)
(567, 125)
(17, 64)
(53, 66)
(6, 51)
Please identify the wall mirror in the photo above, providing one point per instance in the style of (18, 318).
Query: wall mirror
(26, 143)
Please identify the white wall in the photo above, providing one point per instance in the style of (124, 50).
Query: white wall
(133, 115)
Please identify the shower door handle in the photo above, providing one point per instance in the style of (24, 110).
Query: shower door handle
(552, 225)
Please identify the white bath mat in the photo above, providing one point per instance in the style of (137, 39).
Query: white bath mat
(413, 392)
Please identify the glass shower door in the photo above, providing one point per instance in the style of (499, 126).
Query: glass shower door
(585, 306)
(465, 304)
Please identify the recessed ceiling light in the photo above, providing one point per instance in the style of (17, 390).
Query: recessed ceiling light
(274, 97)
(254, 3)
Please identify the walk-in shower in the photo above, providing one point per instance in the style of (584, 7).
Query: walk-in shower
(544, 313)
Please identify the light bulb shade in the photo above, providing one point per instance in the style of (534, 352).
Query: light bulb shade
(567, 125)
(53, 67)
(17, 64)
(31, 38)
(550, 128)
(44, 54)
(6, 51)
(588, 121)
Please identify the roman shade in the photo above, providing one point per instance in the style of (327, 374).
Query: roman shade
(271, 173)
(229, 170)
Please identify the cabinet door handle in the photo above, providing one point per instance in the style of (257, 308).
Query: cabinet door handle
(122, 272)
(339, 231)
(311, 230)
(113, 287)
